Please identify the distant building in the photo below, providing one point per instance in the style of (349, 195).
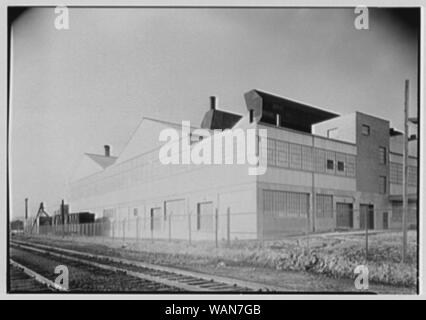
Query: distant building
(17, 225)
(325, 172)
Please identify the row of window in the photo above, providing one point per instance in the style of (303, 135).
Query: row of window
(295, 204)
(290, 155)
(396, 174)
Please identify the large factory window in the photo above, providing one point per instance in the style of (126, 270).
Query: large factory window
(282, 153)
(295, 156)
(324, 206)
(285, 204)
(272, 160)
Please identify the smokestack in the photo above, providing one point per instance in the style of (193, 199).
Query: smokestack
(107, 150)
(26, 209)
(213, 102)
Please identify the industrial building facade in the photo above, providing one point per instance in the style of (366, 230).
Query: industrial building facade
(324, 172)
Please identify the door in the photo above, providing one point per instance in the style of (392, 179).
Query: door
(344, 215)
(366, 209)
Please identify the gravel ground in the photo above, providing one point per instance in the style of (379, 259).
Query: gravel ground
(84, 278)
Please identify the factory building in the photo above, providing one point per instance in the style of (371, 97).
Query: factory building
(323, 172)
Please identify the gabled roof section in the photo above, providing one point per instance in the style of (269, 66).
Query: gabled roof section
(102, 160)
(219, 119)
(145, 138)
(91, 164)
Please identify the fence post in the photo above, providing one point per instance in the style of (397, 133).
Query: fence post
(113, 229)
(151, 227)
(216, 227)
(170, 227)
(366, 215)
(189, 227)
(137, 228)
(228, 225)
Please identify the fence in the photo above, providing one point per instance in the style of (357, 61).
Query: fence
(228, 226)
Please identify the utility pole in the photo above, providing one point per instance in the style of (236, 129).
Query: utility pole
(26, 213)
(366, 214)
(63, 218)
(405, 174)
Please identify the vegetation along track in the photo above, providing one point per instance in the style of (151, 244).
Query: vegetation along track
(167, 278)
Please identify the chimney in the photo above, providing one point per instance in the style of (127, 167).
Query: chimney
(107, 150)
(213, 102)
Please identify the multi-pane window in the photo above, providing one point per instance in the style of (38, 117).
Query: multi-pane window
(272, 160)
(382, 155)
(382, 184)
(412, 176)
(331, 157)
(320, 160)
(365, 130)
(341, 159)
(307, 158)
(396, 174)
(324, 205)
(285, 204)
(282, 154)
(295, 156)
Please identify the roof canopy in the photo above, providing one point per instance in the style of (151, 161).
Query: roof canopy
(292, 114)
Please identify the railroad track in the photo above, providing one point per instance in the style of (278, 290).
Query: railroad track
(24, 279)
(173, 278)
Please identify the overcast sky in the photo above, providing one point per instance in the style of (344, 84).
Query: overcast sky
(78, 89)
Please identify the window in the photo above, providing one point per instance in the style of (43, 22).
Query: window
(350, 166)
(365, 130)
(382, 184)
(382, 155)
(330, 164)
(340, 166)
(324, 206)
(395, 173)
(251, 115)
(295, 156)
(412, 176)
(282, 153)
(279, 204)
(271, 153)
(135, 212)
(307, 158)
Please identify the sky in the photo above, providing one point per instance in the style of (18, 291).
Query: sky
(75, 90)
